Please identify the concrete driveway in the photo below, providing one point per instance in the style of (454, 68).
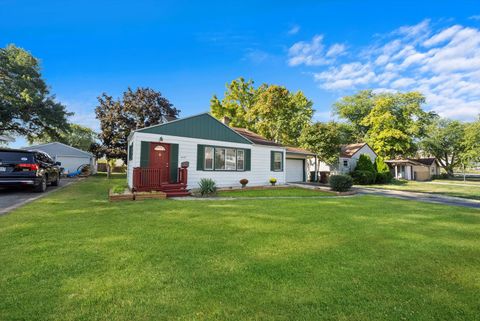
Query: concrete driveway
(11, 198)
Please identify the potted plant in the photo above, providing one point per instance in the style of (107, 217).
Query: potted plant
(273, 181)
(244, 182)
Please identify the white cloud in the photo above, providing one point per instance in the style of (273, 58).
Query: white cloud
(336, 50)
(442, 63)
(314, 53)
(294, 30)
(475, 17)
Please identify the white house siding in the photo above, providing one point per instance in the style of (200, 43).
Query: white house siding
(352, 162)
(259, 174)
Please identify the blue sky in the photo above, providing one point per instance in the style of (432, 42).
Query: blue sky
(188, 51)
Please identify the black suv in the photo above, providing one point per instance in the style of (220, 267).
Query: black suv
(28, 168)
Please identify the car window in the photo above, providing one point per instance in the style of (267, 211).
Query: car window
(16, 157)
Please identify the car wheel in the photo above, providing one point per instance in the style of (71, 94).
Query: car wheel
(56, 182)
(42, 187)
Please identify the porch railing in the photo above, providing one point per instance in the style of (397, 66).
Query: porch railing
(150, 179)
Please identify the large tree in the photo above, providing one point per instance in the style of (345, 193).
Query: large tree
(472, 142)
(26, 106)
(325, 139)
(76, 136)
(269, 110)
(445, 140)
(119, 117)
(239, 98)
(392, 123)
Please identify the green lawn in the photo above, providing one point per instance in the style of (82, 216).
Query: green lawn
(74, 256)
(447, 187)
(274, 192)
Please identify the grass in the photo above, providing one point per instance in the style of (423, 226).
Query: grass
(470, 190)
(74, 256)
(274, 192)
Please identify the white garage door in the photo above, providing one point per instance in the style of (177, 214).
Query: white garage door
(294, 170)
(71, 164)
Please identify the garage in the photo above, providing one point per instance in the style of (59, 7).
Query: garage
(71, 158)
(295, 170)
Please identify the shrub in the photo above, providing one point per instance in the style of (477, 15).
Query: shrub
(365, 164)
(383, 177)
(361, 177)
(207, 186)
(118, 189)
(381, 166)
(440, 176)
(244, 182)
(340, 183)
(273, 181)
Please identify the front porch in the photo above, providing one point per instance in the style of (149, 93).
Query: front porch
(159, 170)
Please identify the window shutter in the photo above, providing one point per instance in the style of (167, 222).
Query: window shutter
(174, 162)
(272, 160)
(248, 161)
(200, 157)
(144, 154)
(282, 165)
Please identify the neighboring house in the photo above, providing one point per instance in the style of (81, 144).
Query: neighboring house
(349, 155)
(70, 157)
(414, 169)
(157, 155)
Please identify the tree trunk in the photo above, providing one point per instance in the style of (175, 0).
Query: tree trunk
(108, 168)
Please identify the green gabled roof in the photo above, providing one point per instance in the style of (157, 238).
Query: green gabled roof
(203, 126)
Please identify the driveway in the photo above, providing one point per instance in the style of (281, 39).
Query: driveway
(413, 196)
(11, 198)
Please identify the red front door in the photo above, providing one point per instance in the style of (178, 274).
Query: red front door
(160, 158)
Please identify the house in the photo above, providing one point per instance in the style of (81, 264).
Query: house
(349, 155)
(5, 139)
(416, 169)
(174, 156)
(70, 157)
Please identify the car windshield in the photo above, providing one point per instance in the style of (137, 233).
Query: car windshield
(16, 157)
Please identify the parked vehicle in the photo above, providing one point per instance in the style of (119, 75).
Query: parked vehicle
(28, 168)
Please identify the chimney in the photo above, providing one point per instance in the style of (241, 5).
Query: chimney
(226, 120)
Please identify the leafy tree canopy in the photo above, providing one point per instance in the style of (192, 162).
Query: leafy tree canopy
(269, 110)
(392, 123)
(76, 136)
(472, 142)
(118, 118)
(445, 140)
(325, 139)
(26, 106)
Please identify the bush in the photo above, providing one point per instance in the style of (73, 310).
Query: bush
(381, 166)
(207, 186)
(363, 177)
(365, 164)
(340, 183)
(273, 181)
(244, 182)
(383, 178)
(440, 176)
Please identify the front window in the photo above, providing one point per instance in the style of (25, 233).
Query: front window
(219, 158)
(230, 159)
(224, 159)
(277, 161)
(345, 163)
(208, 158)
(240, 159)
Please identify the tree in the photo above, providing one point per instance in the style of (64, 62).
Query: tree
(445, 140)
(280, 115)
(392, 123)
(26, 106)
(76, 136)
(472, 141)
(239, 98)
(118, 118)
(269, 110)
(325, 140)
